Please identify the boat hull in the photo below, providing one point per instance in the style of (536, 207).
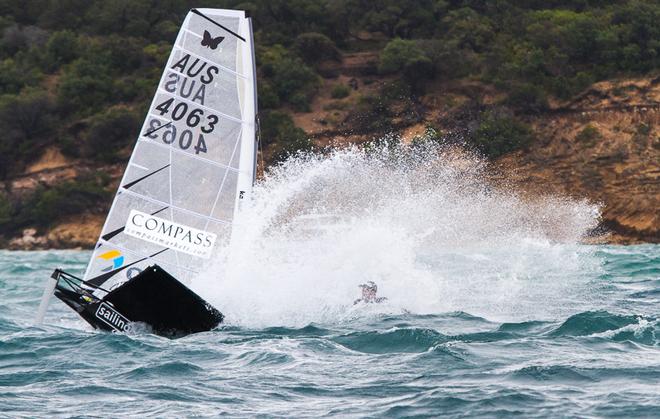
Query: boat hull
(153, 298)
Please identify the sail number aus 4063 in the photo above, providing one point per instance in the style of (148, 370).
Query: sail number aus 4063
(193, 117)
(169, 135)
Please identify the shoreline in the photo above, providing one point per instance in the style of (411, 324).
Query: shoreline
(33, 242)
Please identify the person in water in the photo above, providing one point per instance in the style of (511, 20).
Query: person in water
(369, 294)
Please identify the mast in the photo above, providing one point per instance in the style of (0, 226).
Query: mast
(247, 174)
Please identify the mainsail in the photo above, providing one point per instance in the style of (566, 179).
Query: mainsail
(194, 159)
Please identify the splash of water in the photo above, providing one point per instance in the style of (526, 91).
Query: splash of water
(422, 222)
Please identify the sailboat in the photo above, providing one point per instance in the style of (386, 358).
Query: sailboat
(193, 164)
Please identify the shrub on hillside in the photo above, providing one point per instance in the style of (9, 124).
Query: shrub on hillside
(15, 75)
(25, 121)
(314, 47)
(450, 61)
(372, 114)
(6, 211)
(588, 134)
(293, 81)
(268, 98)
(527, 98)
(279, 131)
(48, 204)
(501, 134)
(291, 77)
(62, 48)
(404, 18)
(69, 198)
(29, 113)
(340, 91)
(300, 102)
(17, 38)
(85, 86)
(121, 54)
(469, 29)
(109, 132)
(407, 57)
(397, 54)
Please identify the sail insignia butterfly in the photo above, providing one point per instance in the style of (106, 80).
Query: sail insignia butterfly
(210, 42)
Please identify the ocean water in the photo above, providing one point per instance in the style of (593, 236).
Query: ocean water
(493, 308)
(598, 357)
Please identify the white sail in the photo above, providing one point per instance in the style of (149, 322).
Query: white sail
(194, 159)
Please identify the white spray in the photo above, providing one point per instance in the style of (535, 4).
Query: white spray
(421, 222)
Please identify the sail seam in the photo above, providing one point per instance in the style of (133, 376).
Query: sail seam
(187, 51)
(231, 118)
(192, 156)
(174, 207)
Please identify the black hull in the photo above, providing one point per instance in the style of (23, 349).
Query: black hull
(153, 298)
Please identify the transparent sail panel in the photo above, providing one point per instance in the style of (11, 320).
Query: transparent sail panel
(179, 193)
(226, 50)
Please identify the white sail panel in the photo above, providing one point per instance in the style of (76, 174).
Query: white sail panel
(194, 158)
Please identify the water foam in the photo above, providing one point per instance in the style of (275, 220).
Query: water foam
(422, 222)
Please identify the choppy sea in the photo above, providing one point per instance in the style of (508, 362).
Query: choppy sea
(493, 309)
(600, 359)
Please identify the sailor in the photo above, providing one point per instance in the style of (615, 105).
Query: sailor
(369, 294)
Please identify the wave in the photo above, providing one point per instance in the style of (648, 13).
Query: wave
(395, 340)
(554, 372)
(614, 327)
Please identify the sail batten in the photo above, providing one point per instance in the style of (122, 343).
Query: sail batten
(197, 12)
(194, 158)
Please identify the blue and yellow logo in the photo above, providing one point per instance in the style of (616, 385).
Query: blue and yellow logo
(113, 256)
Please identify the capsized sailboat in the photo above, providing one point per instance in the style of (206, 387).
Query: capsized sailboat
(193, 164)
